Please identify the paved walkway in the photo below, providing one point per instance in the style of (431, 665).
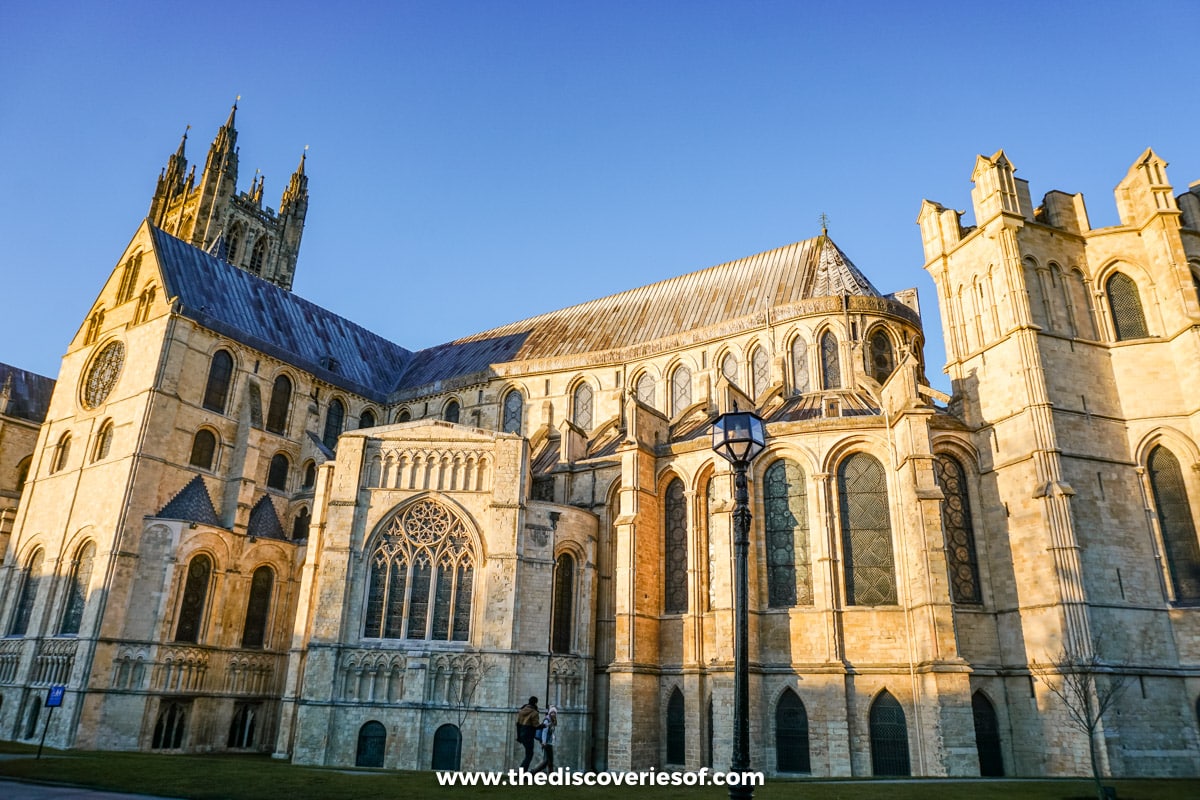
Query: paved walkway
(16, 790)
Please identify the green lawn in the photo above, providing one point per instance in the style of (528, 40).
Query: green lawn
(254, 777)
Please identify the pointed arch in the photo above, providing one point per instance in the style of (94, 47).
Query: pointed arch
(729, 368)
(889, 737)
(258, 608)
(281, 401)
(220, 375)
(646, 388)
(562, 633)
(62, 453)
(103, 441)
(513, 412)
(881, 354)
(959, 530)
(785, 512)
(866, 531)
(1125, 304)
(233, 242)
(676, 729)
(791, 734)
(831, 365)
(801, 381)
(760, 371)
(581, 405)
(1176, 524)
(335, 420)
(987, 736)
(195, 597)
(681, 389)
(258, 255)
(31, 581)
(77, 588)
(675, 547)
(277, 473)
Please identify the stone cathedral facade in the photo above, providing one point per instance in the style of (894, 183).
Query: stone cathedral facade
(249, 524)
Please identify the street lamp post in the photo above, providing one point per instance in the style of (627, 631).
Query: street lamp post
(739, 437)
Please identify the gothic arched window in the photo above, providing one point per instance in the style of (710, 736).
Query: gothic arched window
(958, 528)
(800, 379)
(145, 304)
(675, 544)
(310, 475)
(681, 389)
(23, 472)
(866, 532)
(404, 415)
(831, 367)
(987, 737)
(277, 474)
(645, 389)
(761, 366)
(1176, 523)
(103, 441)
(1125, 302)
(447, 747)
(233, 242)
(882, 357)
(889, 737)
(561, 632)
(452, 411)
(94, 324)
(216, 391)
(300, 525)
(372, 741)
(366, 419)
(710, 536)
(195, 593)
(204, 448)
(62, 452)
(514, 412)
(676, 729)
(129, 278)
(423, 561)
(581, 406)
(258, 608)
(258, 255)
(77, 589)
(335, 417)
(168, 730)
(31, 579)
(791, 734)
(729, 368)
(785, 506)
(281, 400)
(241, 728)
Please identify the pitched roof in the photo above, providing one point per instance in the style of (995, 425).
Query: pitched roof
(264, 522)
(28, 393)
(193, 503)
(812, 268)
(235, 303)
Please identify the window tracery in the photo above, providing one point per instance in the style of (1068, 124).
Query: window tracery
(866, 532)
(423, 560)
(800, 379)
(883, 357)
(195, 593)
(675, 546)
(831, 368)
(681, 389)
(514, 411)
(581, 406)
(31, 579)
(1176, 524)
(762, 371)
(77, 589)
(959, 530)
(1125, 302)
(102, 374)
(645, 389)
(785, 502)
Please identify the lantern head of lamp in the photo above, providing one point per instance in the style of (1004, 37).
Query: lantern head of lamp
(739, 436)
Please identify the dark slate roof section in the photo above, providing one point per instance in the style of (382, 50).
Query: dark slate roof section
(28, 393)
(264, 522)
(246, 308)
(193, 504)
(810, 406)
(450, 360)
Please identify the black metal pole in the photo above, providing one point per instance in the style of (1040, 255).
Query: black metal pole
(741, 624)
(45, 728)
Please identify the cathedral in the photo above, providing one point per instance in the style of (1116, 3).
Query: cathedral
(239, 522)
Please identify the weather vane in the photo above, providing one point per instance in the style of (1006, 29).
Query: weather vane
(824, 220)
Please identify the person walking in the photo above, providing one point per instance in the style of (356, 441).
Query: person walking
(527, 722)
(549, 727)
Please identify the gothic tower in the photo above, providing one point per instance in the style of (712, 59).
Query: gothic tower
(211, 214)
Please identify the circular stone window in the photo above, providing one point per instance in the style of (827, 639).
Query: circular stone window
(103, 373)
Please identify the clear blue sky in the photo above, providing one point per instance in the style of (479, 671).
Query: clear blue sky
(474, 163)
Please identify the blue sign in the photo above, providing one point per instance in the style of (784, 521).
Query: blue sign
(55, 698)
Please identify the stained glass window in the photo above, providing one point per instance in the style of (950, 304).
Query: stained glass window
(77, 589)
(710, 527)
(729, 368)
(762, 371)
(216, 391)
(791, 734)
(581, 406)
(675, 544)
(195, 592)
(423, 560)
(204, 447)
(1129, 321)
(281, 400)
(277, 475)
(676, 729)
(258, 608)
(800, 379)
(31, 579)
(452, 411)
(831, 368)
(564, 592)
(889, 737)
(645, 389)
(1176, 523)
(958, 529)
(335, 417)
(102, 374)
(883, 358)
(866, 532)
(681, 389)
(514, 411)
(785, 503)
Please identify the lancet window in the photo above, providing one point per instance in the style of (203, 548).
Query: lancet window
(514, 411)
(785, 501)
(422, 575)
(958, 528)
(1129, 321)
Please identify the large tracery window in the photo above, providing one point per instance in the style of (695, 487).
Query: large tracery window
(1129, 321)
(77, 589)
(31, 578)
(422, 573)
(645, 389)
(800, 380)
(258, 255)
(785, 502)
(258, 608)
(831, 367)
(882, 358)
(960, 533)
(866, 532)
(729, 368)
(514, 410)
(581, 406)
(195, 593)
(675, 542)
(1176, 523)
(761, 366)
(681, 389)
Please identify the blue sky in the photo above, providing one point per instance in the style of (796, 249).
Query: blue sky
(474, 163)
